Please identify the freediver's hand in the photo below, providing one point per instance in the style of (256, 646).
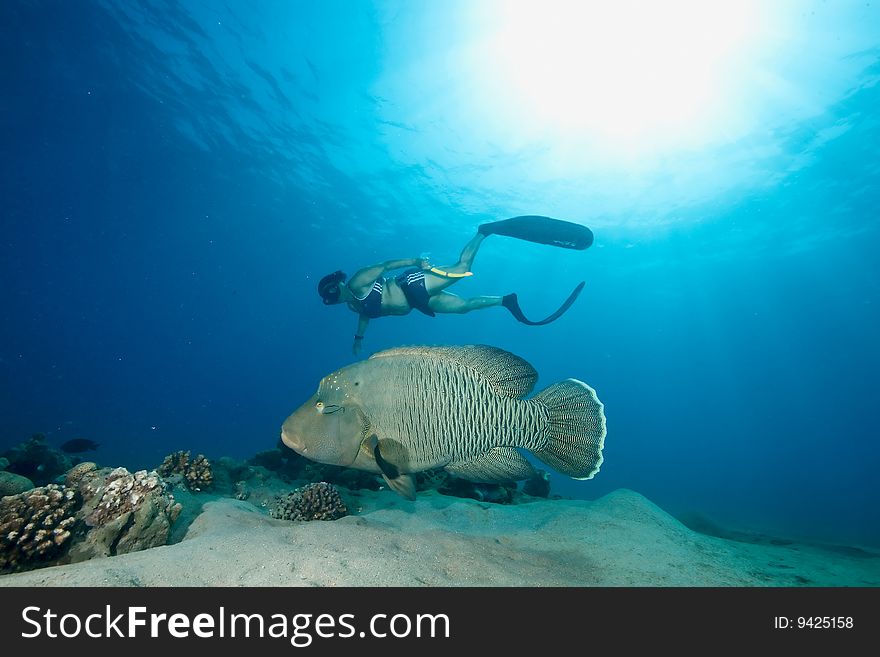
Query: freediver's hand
(424, 263)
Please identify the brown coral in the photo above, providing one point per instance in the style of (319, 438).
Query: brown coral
(77, 472)
(36, 526)
(124, 512)
(196, 473)
(13, 484)
(320, 501)
(119, 492)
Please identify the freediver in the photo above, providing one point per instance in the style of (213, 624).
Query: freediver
(422, 286)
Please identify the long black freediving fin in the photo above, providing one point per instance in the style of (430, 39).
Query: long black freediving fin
(510, 302)
(543, 230)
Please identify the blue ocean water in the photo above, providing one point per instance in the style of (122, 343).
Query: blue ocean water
(177, 176)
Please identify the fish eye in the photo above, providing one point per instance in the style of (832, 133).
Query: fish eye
(320, 406)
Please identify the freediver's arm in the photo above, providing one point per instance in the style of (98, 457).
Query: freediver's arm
(363, 322)
(363, 279)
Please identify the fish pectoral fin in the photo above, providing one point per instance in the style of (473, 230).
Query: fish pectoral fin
(402, 484)
(388, 469)
(498, 464)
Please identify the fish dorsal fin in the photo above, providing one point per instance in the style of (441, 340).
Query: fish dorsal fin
(498, 464)
(511, 375)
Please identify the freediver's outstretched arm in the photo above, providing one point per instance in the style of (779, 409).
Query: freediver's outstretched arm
(363, 279)
(363, 322)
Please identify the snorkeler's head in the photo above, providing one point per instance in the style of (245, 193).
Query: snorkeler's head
(329, 287)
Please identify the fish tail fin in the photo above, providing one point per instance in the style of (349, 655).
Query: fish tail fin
(577, 429)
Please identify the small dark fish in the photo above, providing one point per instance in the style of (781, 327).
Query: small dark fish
(79, 445)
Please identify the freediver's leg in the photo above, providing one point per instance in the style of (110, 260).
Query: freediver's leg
(468, 253)
(434, 283)
(446, 302)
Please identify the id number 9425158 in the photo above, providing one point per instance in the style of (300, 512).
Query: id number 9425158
(814, 622)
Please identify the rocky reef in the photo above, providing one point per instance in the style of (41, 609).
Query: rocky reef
(13, 484)
(37, 460)
(497, 493)
(260, 475)
(80, 511)
(195, 472)
(283, 461)
(287, 465)
(317, 501)
(538, 486)
(122, 511)
(246, 480)
(96, 513)
(36, 527)
(348, 478)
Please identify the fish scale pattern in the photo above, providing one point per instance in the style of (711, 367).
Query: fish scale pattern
(463, 408)
(442, 412)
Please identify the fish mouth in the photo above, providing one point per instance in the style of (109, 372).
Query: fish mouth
(292, 440)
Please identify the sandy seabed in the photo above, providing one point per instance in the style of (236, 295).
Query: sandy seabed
(621, 539)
